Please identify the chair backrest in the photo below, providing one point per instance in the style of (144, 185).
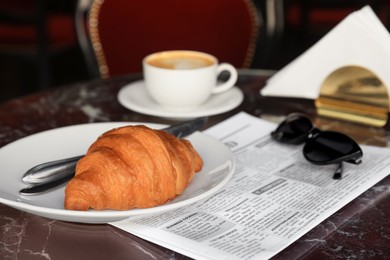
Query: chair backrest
(81, 22)
(123, 32)
(33, 32)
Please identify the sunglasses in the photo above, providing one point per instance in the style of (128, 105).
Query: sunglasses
(321, 147)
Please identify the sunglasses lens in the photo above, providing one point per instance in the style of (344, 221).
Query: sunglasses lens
(293, 130)
(329, 147)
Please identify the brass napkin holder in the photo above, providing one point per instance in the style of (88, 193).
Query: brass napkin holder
(355, 94)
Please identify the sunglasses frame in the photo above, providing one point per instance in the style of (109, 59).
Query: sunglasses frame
(309, 134)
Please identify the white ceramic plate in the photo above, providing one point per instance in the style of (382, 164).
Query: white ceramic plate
(134, 97)
(17, 157)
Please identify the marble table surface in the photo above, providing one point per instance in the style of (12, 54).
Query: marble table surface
(360, 230)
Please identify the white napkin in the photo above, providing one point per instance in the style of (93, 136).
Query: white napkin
(360, 39)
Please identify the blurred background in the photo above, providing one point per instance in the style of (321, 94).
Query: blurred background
(39, 48)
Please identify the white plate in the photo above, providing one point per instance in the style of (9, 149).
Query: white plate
(134, 97)
(19, 156)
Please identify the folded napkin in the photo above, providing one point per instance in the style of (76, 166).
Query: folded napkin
(360, 39)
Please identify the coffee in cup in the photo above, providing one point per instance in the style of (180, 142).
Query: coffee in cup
(184, 79)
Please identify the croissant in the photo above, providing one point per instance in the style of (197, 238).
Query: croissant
(132, 167)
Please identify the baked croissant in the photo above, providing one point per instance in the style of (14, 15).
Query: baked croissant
(132, 167)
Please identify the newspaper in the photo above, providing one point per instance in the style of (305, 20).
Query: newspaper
(274, 197)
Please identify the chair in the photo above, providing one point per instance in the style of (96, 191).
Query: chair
(272, 32)
(81, 22)
(31, 32)
(122, 32)
(317, 17)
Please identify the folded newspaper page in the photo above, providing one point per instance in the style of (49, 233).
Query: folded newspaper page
(274, 197)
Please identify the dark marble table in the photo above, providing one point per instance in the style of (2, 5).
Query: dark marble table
(360, 230)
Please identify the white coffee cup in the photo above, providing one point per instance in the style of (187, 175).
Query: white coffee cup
(184, 79)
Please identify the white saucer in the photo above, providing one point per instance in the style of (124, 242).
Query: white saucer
(135, 97)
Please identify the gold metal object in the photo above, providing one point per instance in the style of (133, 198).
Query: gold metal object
(354, 94)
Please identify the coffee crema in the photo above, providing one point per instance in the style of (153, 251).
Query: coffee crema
(180, 61)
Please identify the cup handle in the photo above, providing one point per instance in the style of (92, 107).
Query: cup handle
(230, 82)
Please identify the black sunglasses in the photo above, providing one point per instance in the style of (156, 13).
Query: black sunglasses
(321, 147)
